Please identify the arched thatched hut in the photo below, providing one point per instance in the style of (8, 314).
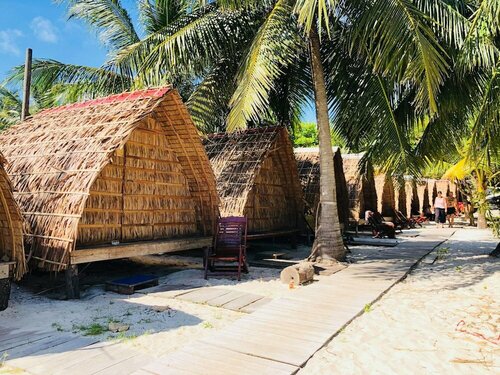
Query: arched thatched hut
(431, 190)
(386, 201)
(360, 186)
(257, 177)
(127, 170)
(400, 195)
(309, 173)
(409, 186)
(11, 226)
(443, 186)
(423, 194)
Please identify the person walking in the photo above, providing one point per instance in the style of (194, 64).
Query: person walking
(452, 208)
(440, 207)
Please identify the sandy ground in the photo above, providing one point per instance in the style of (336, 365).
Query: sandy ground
(443, 319)
(156, 325)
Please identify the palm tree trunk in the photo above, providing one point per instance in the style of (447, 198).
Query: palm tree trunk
(328, 245)
(481, 195)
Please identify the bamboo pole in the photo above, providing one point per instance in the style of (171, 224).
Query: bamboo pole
(27, 85)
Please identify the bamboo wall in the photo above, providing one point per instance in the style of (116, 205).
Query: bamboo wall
(142, 195)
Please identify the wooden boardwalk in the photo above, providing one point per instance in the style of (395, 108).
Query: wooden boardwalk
(281, 336)
(278, 337)
(212, 296)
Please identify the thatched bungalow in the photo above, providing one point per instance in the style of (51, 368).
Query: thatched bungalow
(360, 186)
(11, 229)
(431, 190)
(443, 186)
(309, 173)
(110, 178)
(386, 197)
(257, 177)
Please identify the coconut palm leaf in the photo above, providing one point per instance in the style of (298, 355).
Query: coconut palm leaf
(400, 41)
(80, 82)
(108, 17)
(276, 45)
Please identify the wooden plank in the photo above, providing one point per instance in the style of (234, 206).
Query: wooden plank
(241, 362)
(24, 339)
(127, 365)
(51, 352)
(108, 356)
(294, 353)
(203, 295)
(226, 298)
(129, 250)
(240, 302)
(254, 306)
(33, 349)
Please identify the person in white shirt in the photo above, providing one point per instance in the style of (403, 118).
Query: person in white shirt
(440, 206)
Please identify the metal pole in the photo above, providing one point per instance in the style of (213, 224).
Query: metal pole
(27, 85)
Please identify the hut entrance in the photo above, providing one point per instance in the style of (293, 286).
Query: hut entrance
(142, 194)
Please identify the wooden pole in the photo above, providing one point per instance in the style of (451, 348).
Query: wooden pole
(27, 84)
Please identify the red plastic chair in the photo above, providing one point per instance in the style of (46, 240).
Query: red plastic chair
(229, 246)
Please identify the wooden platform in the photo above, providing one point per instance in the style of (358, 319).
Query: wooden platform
(99, 253)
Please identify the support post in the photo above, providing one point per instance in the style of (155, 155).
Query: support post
(72, 282)
(25, 112)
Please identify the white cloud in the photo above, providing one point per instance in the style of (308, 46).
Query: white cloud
(8, 41)
(44, 30)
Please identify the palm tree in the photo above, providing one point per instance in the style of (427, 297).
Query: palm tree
(245, 61)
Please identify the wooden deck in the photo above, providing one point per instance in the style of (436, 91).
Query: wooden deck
(277, 338)
(128, 250)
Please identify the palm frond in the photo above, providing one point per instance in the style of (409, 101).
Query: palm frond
(108, 17)
(274, 48)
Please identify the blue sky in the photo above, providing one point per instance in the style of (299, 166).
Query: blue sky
(43, 26)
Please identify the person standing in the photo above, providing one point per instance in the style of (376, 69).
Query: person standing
(440, 209)
(451, 209)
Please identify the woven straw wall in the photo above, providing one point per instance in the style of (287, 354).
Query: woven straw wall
(309, 173)
(431, 190)
(11, 226)
(423, 195)
(400, 196)
(443, 186)
(409, 184)
(142, 194)
(257, 177)
(57, 156)
(386, 201)
(360, 186)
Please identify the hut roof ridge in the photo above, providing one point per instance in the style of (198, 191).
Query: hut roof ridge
(126, 96)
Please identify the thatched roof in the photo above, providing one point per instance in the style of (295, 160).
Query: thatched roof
(56, 155)
(386, 196)
(309, 173)
(11, 225)
(238, 160)
(360, 185)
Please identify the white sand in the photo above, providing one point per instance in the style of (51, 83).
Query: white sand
(413, 328)
(154, 332)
